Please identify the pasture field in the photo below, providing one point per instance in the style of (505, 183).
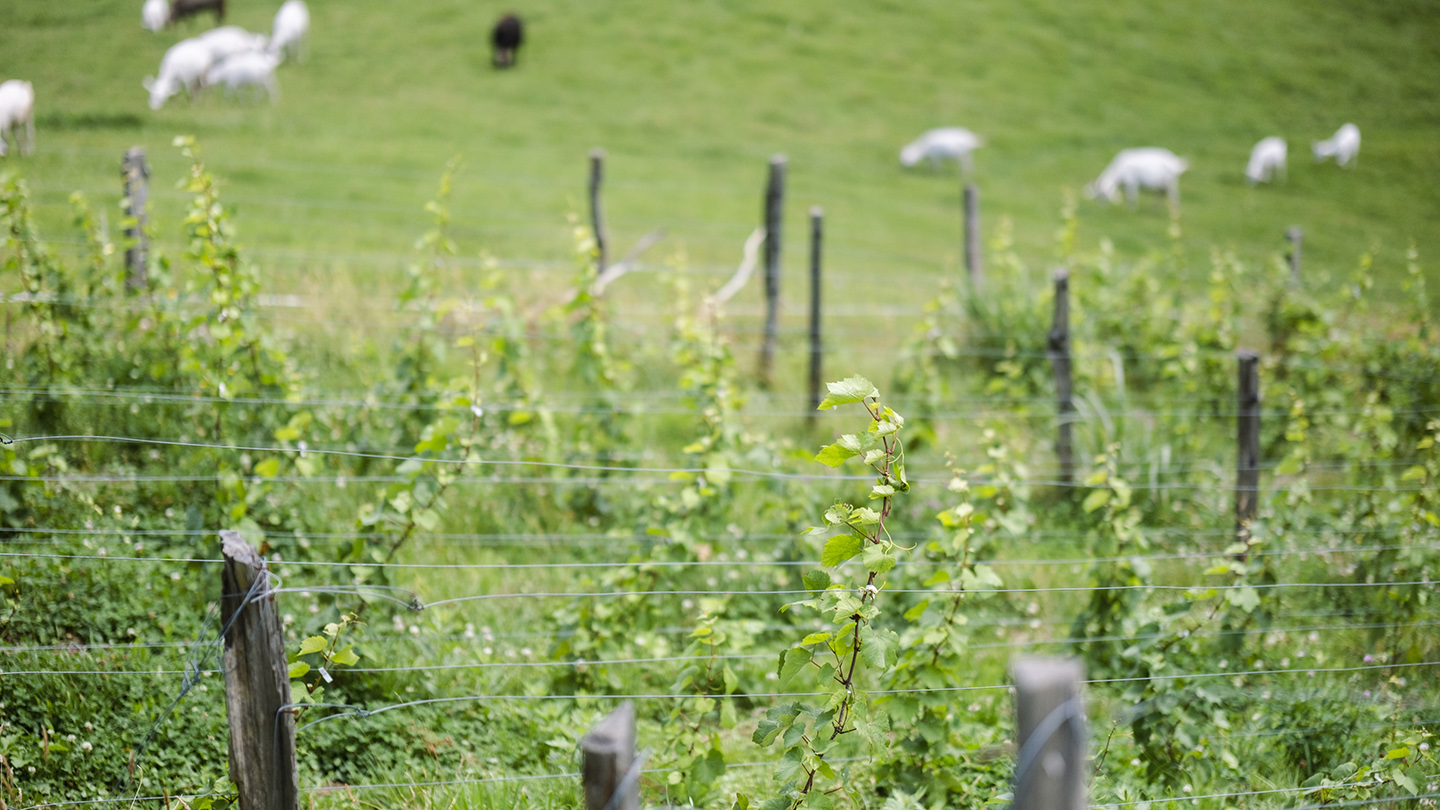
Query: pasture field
(494, 510)
(691, 99)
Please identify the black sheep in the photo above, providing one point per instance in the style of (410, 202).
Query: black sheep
(180, 9)
(506, 38)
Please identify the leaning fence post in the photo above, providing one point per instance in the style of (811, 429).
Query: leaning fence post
(1247, 461)
(1050, 734)
(607, 754)
(257, 686)
(1058, 346)
(1296, 237)
(972, 235)
(774, 203)
(817, 225)
(135, 173)
(597, 216)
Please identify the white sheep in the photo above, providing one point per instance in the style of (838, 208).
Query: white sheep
(250, 69)
(292, 23)
(945, 143)
(182, 68)
(1344, 145)
(17, 106)
(1267, 160)
(155, 14)
(1148, 167)
(230, 40)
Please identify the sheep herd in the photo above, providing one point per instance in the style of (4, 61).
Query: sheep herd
(1150, 168)
(228, 56)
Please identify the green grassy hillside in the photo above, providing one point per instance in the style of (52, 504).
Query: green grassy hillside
(690, 99)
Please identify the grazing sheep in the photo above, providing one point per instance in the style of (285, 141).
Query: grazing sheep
(180, 9)
(292, 23)
(228, 41)
(17, 106)
(506, 38)
(250, 69)
(946, 143)
(1149, 167)
(182, 68)
(1267, 160)
(1344, 146)
(155, 14)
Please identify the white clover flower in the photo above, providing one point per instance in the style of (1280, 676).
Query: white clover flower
(86, 746)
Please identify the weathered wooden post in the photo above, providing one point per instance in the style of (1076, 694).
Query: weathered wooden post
(1058, 347)
(1296, 237)
(972, 235)
(257, 686)
(774, 205)
(817, 225)
(1050, 734)
(607, 754)
(135, 173)
(597, 215)
(1247, 461)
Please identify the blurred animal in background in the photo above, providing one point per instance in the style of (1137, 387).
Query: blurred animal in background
(945, 143)
(1133, 169)
(155, 14)
(1344, 146)
(292, 23)
(228, 41)
(251, 69)
(180, 9)
(17, 115)
(506, 39)
(182, 68)
(1267, 161)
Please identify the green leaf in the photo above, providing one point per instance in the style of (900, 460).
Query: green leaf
(1246, 598)
(816, 580)
(1096, 499)
(851, 389)
(877, 558)
(346, 657)
(792, 662)
(833, 455)
(1397, 753)
(4, 580)
(313, 644)
(298, 670)
(268, 468)
(814, 638)
(840, 548)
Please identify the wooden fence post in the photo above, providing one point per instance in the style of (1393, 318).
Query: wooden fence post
(257, 686)
(1058, 346)
(607, 754)
(1050, 735)
(1247, 461)
(972, 235)
(597, 216)
(1296, 237)
(817, 225)
(135, 173)
(774, 205)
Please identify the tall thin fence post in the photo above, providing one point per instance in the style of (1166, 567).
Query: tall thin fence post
(607, 754)
(1247, 461)
(1296, 237)
(774, 205)
(1058, 346)
(817, 227)
(972, 235)
(1050, 733)
(597, 214)
(257, 683)
(135, 172)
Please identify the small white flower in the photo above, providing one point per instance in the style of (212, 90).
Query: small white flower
(86, 746)
(175, 576)
(303, 447)
(414, 630)
(70, 738)
(469, 630)
(88, 727)
(525, 651)
(1424, 747)
(1224, 664)
(974, 707)
(1135, 762)
(477, 410)
(1185, 788)
(289, 619)
(488, 651)
(687, 604)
